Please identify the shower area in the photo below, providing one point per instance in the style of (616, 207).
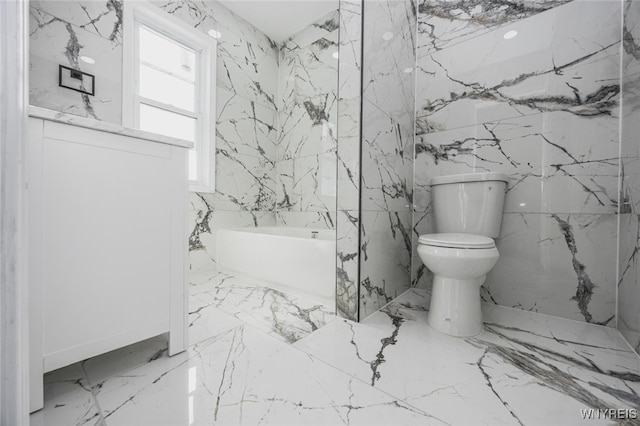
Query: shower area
(271, 218)
(298, 122)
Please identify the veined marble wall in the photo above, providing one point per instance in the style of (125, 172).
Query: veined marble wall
(386, 185)
(60, 33)
(348, 185)
(629, 231)
(307, 126)
(246, 129)
(543, 108)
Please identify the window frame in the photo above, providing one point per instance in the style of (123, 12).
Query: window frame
(143, 13)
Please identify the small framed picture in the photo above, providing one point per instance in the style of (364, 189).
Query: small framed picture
(77, 80)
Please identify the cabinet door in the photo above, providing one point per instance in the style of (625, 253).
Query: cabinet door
(106, 242)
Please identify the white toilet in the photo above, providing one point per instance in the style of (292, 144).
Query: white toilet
(468, 215)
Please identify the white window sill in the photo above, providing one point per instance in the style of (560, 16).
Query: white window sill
(194, 187)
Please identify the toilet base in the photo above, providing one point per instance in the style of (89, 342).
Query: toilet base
(455, 306)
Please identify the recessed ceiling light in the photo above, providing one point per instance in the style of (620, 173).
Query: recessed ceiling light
(510, 34)
(522, 204)
(408, 70)
(387, 36)
(88, 59)
(335, 54)
(215, 34)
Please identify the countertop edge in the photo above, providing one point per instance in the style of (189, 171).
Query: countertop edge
(103, 126)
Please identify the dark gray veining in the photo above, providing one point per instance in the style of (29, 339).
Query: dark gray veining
(442, 24)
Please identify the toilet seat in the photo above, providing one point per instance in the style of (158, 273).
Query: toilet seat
(456, 240)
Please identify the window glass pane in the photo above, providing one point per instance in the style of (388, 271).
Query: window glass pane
(167, 123)
(193, 164)
(164, 88)
(166, 54)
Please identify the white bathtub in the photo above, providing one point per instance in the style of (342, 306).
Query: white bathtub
(288, 259)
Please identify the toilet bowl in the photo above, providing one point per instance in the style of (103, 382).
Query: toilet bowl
(467, 210)
(460, 263)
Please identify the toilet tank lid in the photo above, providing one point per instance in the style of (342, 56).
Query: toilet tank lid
(469, 177)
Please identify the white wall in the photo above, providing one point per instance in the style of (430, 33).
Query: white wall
(13, 309)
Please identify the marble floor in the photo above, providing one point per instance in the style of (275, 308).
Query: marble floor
(259, 356)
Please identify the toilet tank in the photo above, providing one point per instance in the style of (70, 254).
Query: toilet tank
(470, 203)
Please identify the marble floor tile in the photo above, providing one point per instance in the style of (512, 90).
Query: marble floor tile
(565, 366)
(68, 400)
(243, 377)
(284, 316)
(391, 369)
(205, 319)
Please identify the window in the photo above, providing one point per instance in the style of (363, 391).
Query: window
(169, 84)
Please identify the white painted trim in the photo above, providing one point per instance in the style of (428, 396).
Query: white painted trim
(166, 107)
(172, 27)
(14, 385)
(179, 324)
(127, 66)
(34, 149)
(55, 360)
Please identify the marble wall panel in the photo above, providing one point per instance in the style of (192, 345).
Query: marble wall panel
(204, 221)
(244, 182)
(387, 162)
(307, 98)
(387, 152)
(60, 32)
(555, 63)
(307, 184)
(308, 118)
(246, 146)
(320, 219)
(305, 131)
(100, 18)
(557, 264)
(389, 53)
(245, 127)
(442, 24)
(347, 266)
(556, 161)
(348, 164)
(385, 258)
(348, 160)
(255, 81)
(421, 277)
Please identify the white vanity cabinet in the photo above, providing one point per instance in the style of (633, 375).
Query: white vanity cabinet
(107, 242)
